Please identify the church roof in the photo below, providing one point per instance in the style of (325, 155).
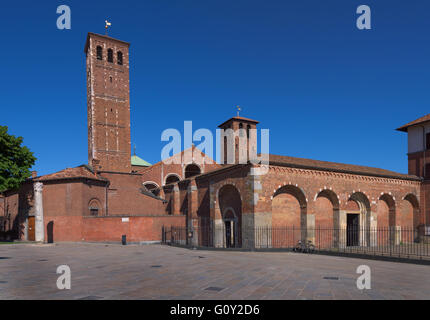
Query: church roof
(237, 118)
(337, 167)
(415, 122)
(81, 172)
(136, 161)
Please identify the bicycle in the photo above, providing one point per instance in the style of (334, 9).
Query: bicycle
(307, 247)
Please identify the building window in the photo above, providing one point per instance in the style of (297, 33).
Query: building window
(94, 211)
(94, 207)
(241, 130)
(119, 56)
(172, 178)
(99, 53)
(192, 170)
(248, 128)
(110, 55)
(428, 141)
(152, 187)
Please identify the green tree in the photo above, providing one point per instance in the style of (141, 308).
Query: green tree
(15, 161)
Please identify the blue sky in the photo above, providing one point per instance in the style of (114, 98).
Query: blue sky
(325, 89)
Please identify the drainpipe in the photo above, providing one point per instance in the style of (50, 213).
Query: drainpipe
(424, 174)
(424, 151)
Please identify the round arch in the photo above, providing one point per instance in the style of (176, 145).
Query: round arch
(389, 201)
(289, 207)
(152, 187)
(230, 207)
(94, 207)
(171, 178)
(191, 170)
(333, 199)
(413, 200)
(357, 223)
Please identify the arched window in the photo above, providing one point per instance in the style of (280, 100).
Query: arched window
(248, 129)
(172, 178)
(241, 130)
(94, 207)
(110, 55)
(99, 53)
(192, 170)
(119, 58)
(152, 187)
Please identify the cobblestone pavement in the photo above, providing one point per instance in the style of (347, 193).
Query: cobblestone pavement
(101, 271)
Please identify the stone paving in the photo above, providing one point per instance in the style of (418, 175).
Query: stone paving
(111, 271)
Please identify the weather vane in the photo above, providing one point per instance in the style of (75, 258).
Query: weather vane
(107, 25)
(238, 110)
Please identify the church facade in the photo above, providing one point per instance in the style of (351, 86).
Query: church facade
(118, 194)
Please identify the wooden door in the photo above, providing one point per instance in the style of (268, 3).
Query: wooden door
(31, 229)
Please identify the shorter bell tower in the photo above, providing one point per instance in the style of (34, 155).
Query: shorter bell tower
(238, 140)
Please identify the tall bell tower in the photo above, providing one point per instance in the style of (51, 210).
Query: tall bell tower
(108, 99)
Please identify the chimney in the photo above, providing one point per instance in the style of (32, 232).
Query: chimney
(33, 174)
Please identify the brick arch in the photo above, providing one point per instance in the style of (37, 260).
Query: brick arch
(230, 208)
(95, 205)
(327, 207)
(192, 169)
(289, 208)
(295, 191)
(361, 199)
(171, 176)
(412, 199)
(386, 217)
(229, 198)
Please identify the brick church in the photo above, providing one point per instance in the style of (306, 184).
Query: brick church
(117, 194)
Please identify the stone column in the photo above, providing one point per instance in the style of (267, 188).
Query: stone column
(38, 206)
(176, 200)
(192, 213)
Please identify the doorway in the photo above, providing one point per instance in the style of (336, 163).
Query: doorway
(229, 234)
(31, 236)
(231, 231)
(352, 229)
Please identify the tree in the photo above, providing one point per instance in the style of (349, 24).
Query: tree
(15, 161)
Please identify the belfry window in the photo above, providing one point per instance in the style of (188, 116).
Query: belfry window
(241, 130)
(110, 55)
(99, 53)
(119, 58)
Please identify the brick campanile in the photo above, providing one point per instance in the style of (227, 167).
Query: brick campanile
(108, 98)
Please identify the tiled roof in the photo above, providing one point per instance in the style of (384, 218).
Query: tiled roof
(337, 167)
(240, 119)
(71, 173)
(418, 121)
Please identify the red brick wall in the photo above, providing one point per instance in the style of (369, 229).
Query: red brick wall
(125, 198)
(323, 213)
(137, 229)
(285, 211)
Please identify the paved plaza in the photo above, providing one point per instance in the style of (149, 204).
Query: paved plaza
(112, 271)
